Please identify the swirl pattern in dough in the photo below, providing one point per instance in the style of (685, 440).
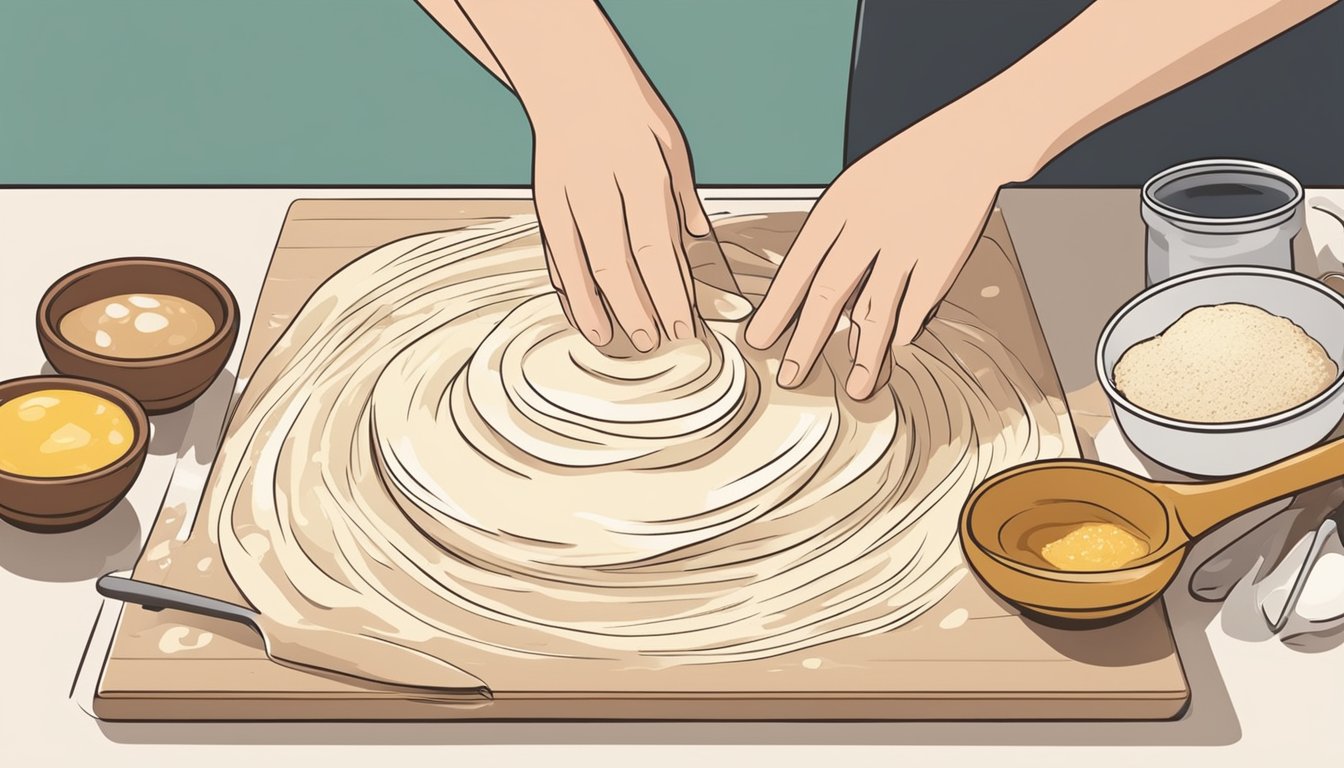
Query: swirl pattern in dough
(431, 457)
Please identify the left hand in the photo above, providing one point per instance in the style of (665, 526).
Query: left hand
(616, 199)
(905, 216)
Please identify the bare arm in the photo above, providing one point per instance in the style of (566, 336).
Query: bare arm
(893, 230)
(612, 177)
(452, 19)
(1118, 55)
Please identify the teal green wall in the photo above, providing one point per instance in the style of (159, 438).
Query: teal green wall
(372, 92)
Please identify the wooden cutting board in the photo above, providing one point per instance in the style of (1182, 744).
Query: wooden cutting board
(970, 657)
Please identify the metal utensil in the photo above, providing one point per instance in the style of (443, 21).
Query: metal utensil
(313, 649)
(1278, 611)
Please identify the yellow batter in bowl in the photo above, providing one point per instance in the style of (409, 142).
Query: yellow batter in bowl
(62, 433)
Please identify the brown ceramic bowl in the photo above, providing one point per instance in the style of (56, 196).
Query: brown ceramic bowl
(51, 504)
(161, 384)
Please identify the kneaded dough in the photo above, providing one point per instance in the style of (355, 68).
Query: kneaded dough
(431, 457)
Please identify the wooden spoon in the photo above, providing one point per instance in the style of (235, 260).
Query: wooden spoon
(1012, 515)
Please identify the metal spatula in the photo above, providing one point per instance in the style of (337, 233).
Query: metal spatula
(314, 649)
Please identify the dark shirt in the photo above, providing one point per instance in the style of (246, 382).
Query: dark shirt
(1282, 103)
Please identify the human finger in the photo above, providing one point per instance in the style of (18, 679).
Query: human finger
(693, 216)
(927, 286)
(602, 228)
(873, 322)
(655, 242)
(704, 256)
(558, 286)
(836, 279)
(568, 267)
(790, 284)
(692, 212)
(852, 335)
(930, 279)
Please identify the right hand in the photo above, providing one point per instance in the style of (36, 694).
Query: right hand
(616, 197)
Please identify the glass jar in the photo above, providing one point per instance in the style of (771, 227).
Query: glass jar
(1220, 213)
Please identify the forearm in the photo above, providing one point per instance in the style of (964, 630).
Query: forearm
(557, 55)
(1117, 56)
(452, 19)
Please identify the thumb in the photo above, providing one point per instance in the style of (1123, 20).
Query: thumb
(692, 212)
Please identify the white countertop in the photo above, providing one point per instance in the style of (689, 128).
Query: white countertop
(1255, 700)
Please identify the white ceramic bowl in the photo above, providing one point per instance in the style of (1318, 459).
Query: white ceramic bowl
(1232, 448)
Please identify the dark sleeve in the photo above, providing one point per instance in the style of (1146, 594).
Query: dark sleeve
(1278, 104)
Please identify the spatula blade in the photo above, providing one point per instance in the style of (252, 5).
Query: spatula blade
(370, 658)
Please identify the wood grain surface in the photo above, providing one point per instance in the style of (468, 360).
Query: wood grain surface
(994, 664)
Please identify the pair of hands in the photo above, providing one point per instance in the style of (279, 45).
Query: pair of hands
(616, 196)
(616, 200)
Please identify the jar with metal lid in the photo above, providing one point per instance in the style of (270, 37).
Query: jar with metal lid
(1220, 213)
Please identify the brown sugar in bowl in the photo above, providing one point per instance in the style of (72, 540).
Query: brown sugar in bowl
(51, 504)
(163, 383)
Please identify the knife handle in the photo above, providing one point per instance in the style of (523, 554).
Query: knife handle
(156, 597)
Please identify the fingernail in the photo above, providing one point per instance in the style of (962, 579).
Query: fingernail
(642, 340)
(788, 373)
(860, 379)
(594, 337)
(680, 330)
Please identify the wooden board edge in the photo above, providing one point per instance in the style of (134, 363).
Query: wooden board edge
(1156, 705)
